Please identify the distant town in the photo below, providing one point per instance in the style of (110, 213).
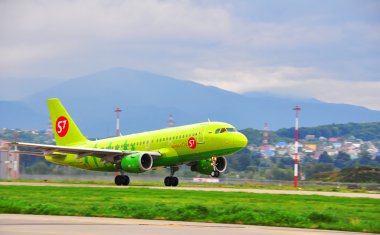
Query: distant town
(313, 146)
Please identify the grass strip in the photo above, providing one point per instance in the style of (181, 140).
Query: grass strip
(337, 213)
(243, 185)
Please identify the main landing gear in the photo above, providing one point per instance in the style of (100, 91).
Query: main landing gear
(121, 180)
(172, 180)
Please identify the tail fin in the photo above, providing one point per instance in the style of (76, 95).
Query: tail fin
(65, 130)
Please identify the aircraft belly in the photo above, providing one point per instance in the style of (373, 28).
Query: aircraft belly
(87, 163)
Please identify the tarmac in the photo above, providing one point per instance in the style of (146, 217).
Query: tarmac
(11, 224)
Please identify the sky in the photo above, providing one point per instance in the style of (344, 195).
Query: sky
(323, 49)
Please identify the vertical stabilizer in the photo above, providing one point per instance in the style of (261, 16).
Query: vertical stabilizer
(65, 130)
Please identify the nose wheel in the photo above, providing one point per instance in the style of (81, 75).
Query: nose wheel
(215, 173)
(122, 180)
(171, 180)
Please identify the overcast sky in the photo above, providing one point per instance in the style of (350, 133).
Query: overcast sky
(329, 50)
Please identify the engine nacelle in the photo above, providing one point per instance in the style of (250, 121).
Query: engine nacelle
(137, 163)
(205, 166)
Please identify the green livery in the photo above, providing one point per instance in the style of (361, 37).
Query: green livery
(201, 146)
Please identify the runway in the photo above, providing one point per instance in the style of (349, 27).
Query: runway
(71, 225)
(267, 191)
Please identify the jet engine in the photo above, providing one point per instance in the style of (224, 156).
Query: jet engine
(205, 166)
(137, 163)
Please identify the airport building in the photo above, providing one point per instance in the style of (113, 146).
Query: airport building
(9, 162)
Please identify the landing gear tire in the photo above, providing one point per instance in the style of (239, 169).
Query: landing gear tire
(171, 181)
(168, 181)
(125, 180)
(174, 181)
(122, 180)
(215, 174)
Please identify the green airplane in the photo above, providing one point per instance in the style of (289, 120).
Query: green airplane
(201, 146)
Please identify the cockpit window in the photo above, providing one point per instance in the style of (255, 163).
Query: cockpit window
(231, 129)
(217, 131)
(223, 130)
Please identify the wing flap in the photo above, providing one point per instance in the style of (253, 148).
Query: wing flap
(47, 149)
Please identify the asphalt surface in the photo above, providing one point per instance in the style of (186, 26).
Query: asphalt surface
(267, 191)
(72, 225)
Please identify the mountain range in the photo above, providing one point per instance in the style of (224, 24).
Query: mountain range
(147, 99)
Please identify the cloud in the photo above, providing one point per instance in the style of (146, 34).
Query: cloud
(38, 30)
(293, 81)
(240, 46)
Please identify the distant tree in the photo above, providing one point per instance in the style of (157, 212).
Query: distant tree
(286, 162)
(40, 168)
(342, 160)
(312, 169)
(364, 158)
(364, 131)
(377, 159)
(279, 174)
(325, 158)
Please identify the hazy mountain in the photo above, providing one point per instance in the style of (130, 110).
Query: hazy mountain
(147, 99)
(17, 114)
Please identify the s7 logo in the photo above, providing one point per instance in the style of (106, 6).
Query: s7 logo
(192, 143)
(62, 126)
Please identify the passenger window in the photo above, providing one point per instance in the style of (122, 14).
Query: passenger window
(217, 131)
(223, 130)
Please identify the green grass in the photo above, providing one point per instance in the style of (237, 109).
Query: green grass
(243, 185)
(338, 213)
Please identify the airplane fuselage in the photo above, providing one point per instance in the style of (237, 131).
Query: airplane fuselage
(177, 145)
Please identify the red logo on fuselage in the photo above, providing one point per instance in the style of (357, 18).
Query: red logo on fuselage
(192, 143)
(62, 126)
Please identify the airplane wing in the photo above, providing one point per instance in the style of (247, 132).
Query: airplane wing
(55, 150)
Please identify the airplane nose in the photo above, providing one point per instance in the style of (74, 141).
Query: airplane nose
(241, 140)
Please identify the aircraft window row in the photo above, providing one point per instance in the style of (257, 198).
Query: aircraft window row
(165, 139)
(176, 137)
(221, 130)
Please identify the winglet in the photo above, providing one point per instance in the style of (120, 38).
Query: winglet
(65, 130)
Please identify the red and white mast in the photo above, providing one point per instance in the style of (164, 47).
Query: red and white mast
(265, 137)
(297, 109)
(170, 121)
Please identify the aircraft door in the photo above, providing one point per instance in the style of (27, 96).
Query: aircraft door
(201, 136)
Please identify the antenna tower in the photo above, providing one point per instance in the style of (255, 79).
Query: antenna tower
(170, 121)
(118, 111)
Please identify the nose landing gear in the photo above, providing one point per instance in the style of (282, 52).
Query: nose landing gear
(214, 173)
